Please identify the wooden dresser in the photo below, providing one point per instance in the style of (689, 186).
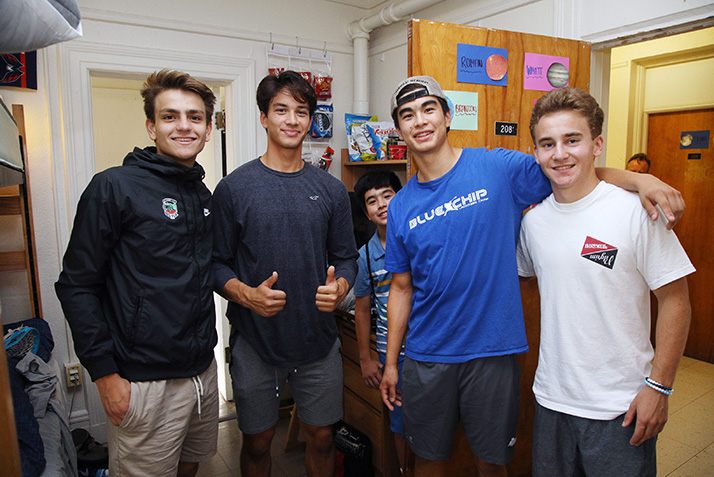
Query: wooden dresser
(363, 407)
(365, 411)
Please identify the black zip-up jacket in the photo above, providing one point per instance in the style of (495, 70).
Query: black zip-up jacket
(136, 284)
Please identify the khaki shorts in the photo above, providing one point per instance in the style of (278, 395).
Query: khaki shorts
(163, 426)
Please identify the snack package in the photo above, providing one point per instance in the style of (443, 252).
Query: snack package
(326, 158)
(364, 141)
(307, 75)
(323, 86)
(352, 145)
(313, 158)
(379, 132)
(321, 126)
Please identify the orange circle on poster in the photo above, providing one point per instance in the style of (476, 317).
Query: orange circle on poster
(496, 67)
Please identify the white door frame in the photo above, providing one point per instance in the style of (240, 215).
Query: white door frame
(70, 67)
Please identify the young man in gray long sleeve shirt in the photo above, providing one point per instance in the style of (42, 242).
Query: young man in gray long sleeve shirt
(285, 257)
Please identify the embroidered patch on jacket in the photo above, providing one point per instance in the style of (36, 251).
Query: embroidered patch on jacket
(599, 252)
(170, 207)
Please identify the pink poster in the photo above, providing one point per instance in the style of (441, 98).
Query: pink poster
(544, 73)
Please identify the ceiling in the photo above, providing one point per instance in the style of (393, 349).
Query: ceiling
(363, 4)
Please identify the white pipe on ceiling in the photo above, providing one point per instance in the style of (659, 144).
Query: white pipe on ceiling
(358, 31)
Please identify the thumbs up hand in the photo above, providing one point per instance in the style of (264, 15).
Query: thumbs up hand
(332, 292)
(264, 300)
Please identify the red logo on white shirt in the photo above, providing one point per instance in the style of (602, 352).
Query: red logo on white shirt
(599, 252)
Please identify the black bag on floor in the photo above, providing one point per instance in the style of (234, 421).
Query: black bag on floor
(92, 457)
(354, 452)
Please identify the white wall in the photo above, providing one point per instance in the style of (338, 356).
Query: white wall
(118, 120)
(180, 29)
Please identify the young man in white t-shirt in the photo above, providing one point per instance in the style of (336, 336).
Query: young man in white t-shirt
(601, 390)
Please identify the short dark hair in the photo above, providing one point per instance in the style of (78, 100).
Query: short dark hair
(408, 89)
(160, 81)
(290, 81)
(375, 180)
(569, 99)
(640, 157)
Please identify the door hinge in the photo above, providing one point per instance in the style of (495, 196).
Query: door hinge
(220, 120)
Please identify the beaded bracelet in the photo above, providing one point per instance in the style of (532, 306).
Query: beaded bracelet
(658, 387)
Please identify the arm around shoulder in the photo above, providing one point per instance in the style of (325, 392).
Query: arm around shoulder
(652, 191)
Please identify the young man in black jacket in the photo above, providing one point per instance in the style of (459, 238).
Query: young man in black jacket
(136, 288)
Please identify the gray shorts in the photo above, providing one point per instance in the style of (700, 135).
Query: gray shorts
(482, 393)
(570, 445)
(316, 388)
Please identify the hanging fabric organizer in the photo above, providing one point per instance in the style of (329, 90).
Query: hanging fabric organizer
(316, 67)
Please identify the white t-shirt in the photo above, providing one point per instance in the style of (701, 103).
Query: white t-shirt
(596, 260)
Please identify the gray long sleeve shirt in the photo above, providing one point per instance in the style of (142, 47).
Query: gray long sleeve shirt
(297, 224)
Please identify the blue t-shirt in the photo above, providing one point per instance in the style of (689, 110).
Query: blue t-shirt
(457, 236)
(382, 282)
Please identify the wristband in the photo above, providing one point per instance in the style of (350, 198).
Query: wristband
(658, 387)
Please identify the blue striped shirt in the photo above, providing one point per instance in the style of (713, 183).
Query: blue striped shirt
(382, 282)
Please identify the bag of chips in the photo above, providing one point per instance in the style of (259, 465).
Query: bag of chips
(353, 147)
(323, 86)
(380, 131)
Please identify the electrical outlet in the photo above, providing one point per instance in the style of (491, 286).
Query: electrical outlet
(73, 374)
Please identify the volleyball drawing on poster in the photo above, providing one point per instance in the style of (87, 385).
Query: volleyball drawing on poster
(544, 72)
(481, 65)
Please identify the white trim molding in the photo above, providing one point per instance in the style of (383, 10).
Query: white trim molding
(79, 61)
(70, 68)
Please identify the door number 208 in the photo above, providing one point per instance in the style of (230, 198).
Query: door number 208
(506, 129)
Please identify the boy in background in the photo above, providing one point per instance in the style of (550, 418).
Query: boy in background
(373, 192)
(597, 256)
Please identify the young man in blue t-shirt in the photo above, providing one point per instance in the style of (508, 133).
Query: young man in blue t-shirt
(452, 253)
(373, 191)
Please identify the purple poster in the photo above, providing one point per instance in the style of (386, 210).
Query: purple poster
(481, 65)
(544, 73)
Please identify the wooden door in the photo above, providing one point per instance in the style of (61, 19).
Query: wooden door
(432, 51)
(692, 172)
